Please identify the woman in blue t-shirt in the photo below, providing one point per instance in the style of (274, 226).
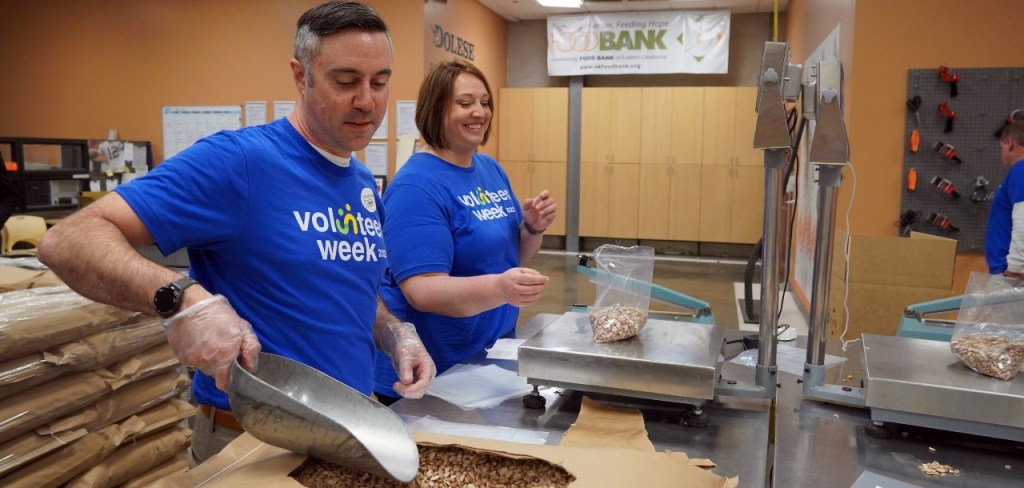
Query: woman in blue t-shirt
(455, 233)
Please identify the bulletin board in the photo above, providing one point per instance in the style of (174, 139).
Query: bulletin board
(985, 98)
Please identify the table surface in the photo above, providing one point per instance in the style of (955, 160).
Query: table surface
(815, 444)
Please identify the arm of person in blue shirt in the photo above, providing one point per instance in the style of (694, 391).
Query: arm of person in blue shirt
(402, 344)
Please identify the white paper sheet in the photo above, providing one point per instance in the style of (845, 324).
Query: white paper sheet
(431, 424)
(505, 349)
(406, 118)
(283, 108)
(376, 158)
(255, 113)
(472, 386)
(187, 124)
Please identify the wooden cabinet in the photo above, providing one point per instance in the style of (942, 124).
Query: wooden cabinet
(610, 129)
(608, 199)
(731, 201)
(670, 159)
(528, 178)
(533, 124)
(670, 163)
(729, 116)
(673, 125)
(732, 176)
(670, 202)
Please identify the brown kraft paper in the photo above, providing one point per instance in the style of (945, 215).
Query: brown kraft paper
(127, 401)
(133, 458)
(177, 464)
(28, 447)
(148, 363)
(93, 352)
(24, 412)
(626, 461)
(37, 319)
(77, 457)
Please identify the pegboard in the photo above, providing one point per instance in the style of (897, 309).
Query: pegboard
(985, 98)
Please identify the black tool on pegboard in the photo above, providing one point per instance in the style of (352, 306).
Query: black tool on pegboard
(1016, 116)
(945, 186)
(907, 219)
(947, 151)
(980, 192)
(950, 78)
(942, 221)
(948, 113)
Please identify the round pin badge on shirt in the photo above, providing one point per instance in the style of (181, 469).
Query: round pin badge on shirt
(368, 201)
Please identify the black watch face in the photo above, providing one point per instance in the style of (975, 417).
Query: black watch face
(166, 300)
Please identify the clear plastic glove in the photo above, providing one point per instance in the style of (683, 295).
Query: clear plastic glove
(413, 364)
(209, 336)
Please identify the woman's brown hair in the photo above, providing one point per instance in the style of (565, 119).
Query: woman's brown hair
(435, 100)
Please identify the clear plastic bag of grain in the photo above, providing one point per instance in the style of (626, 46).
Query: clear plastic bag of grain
(989, 333)
(624, 276)
(443, 466)
(990, 349)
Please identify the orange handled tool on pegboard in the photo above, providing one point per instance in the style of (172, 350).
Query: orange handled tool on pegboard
(915, 135)
(912, 179)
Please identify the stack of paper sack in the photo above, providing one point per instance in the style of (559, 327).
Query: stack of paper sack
(89, 394)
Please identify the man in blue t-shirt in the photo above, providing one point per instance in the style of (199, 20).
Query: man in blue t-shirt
(1004, 237)
(283, 229)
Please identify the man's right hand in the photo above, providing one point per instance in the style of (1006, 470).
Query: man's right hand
(209, 336)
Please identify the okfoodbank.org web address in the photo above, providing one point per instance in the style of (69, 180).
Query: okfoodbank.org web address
(611, 66)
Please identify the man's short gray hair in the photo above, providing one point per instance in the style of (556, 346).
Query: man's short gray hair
(326, 19)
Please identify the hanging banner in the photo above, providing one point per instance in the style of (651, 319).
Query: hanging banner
(638, 43)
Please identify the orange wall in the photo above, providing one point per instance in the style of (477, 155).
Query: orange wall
(76, 69)
(886, 39)
(891, 38)
(486, 30)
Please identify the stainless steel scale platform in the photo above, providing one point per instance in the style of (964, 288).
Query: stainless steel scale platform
(668, 360)
(920, 382)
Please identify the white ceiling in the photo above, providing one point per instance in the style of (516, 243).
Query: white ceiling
(517, 10)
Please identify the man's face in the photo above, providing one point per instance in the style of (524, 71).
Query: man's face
(345, 94)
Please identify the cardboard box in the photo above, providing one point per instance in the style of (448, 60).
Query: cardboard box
(886, 274)
(14, 278)
(87, 197)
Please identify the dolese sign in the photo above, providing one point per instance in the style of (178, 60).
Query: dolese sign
(638, 43)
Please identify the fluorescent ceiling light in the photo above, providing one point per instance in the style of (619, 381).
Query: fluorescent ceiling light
(561, 3)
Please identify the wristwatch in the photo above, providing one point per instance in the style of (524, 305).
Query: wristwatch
(167, 299)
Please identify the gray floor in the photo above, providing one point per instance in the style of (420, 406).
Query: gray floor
(710, 280)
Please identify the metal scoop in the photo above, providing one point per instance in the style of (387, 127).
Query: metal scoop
(293, 406)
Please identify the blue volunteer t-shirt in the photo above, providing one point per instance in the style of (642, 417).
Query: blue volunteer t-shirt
(292, 240)
(444, 218)
(999, 231)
